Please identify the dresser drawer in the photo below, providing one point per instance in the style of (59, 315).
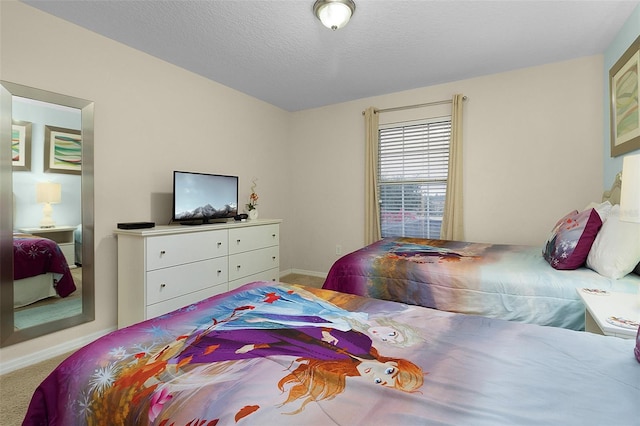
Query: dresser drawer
(252, 262)
(178, 302)
(164, 284)
(253, 237)
(170, 250)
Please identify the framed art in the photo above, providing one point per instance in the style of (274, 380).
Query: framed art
(21, 145)
(62, 150)
(625, 111)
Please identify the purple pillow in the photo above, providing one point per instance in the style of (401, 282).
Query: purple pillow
(571, 239)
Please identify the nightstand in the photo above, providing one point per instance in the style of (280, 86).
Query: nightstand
(63, 235)
(602, 306)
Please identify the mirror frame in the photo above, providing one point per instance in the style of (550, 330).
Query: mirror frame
(9, 336)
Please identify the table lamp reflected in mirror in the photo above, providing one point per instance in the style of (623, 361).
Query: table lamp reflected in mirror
(48, 193)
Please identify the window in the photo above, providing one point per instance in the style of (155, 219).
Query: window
(412, 177)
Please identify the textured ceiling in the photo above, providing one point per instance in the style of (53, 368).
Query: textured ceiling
(277, 51)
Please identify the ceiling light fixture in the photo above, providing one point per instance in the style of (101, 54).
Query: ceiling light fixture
(334, 14)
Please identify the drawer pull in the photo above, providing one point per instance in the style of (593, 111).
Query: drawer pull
(219, 244)
(274, 258)
(238, 267)
(273, 235)
(238, 241)
(219, 271)
(163, 285)
(162, 252)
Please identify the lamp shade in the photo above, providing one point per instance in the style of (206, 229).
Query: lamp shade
(48, 192)
(334, 14)
(630, 193)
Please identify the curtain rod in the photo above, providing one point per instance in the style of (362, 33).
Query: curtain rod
(400, 108)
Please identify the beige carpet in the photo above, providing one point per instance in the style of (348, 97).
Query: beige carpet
(17, 387)
(303, 280)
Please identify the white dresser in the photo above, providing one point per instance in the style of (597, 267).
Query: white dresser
(167, 267)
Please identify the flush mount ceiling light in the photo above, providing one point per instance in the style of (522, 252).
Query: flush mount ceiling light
(334, 14)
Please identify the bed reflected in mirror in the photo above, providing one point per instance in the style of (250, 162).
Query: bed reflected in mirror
(47, 238)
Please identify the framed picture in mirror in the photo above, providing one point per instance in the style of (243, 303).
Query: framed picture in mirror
(21, 145)
(62, 150)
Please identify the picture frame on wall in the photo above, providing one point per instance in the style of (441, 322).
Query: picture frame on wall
(624, 79)
(62, 150)
(21, 145)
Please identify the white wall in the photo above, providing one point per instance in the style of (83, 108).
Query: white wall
(150, 118)
(532, 147)
(532, 152)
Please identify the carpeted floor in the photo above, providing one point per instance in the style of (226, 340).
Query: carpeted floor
(17, 387)
(62, 309)
(51, 308)
(307, 280)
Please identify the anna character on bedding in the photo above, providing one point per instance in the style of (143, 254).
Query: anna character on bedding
(319, 358)
(280, 323)
(324, 357)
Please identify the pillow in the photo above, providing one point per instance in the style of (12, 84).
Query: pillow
(616, 249)
(571, 239)
(636, 350)
(603, 209)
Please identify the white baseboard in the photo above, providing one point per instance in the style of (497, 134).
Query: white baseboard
(303, 272)
(50, 352)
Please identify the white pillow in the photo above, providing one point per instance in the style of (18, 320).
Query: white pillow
(603, 209)
(616, 249)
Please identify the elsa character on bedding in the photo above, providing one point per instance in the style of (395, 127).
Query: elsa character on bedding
(390, 332)
(323, 350)
(274, 307)
(303, 334)
(429, 254)
(294, 323)
(257, 308)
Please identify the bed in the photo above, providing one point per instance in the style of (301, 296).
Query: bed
(531, 284)
(270, 353)
(498, 281)
(40, 270)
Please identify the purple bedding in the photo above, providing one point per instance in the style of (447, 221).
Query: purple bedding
(279, 354)
(36, 255)
(509, 282)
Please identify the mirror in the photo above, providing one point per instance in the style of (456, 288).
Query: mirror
(45, 137)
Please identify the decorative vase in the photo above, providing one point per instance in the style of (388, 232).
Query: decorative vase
(253, 214)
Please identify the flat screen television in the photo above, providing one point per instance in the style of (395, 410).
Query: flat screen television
(200, 198)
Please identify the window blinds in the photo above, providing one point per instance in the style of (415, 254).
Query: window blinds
(412, 177)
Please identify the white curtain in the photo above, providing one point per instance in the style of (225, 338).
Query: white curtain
(372, 231)
(452, 226)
